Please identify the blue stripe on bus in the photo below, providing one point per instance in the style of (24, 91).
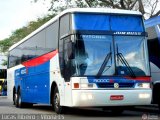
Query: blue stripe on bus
(124, 82)
(35, 83)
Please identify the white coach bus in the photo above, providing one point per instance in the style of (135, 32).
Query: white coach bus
(84, 57)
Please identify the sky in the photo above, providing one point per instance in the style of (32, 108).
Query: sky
(15, 14)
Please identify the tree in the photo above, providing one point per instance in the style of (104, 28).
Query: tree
(151, 6)
(20, 33)
(146, 7)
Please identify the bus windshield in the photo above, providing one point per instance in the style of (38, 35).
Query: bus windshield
(91, 51)
(132, 50)
(95, 51)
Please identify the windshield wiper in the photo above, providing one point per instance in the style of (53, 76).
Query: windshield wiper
(108, 56)
(124, 61)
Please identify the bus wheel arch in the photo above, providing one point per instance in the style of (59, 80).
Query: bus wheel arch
(55, 99)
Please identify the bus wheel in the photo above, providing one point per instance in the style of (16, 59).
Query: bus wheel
(14, 98)
(19, 102)
(56, 102)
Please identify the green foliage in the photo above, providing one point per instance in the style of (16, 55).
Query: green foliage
(58, 5)
(146, 7)
(4, 63)
(19, 34)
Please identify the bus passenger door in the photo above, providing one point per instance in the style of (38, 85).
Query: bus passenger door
(65, 88)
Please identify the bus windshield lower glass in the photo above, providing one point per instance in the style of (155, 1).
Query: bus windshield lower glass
(106, 55)
(132, 50)
(91, 51)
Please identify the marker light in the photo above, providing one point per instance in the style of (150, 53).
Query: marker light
(86, 85)
(76, 85)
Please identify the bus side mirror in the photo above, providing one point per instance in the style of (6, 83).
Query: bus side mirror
(71, 50)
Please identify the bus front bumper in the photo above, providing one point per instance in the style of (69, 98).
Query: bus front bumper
(95, 98)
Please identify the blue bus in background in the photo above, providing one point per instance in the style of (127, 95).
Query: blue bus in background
(153, 28)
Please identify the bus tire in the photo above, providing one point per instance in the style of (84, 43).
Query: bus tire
(56, 102)
(14, 98)
(19, 102)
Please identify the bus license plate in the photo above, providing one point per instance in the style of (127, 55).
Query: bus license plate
(116, 97)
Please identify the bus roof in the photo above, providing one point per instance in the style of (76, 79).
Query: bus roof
(152, 21)
(74, 10)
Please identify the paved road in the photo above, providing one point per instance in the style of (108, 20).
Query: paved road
(42, 112)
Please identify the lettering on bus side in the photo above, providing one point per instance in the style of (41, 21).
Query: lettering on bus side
(101, 80)
(23, 71)
(127, 33)
(94, 36)
(17, 73)
(20, 72)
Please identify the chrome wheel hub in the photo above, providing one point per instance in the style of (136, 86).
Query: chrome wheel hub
(56, 100)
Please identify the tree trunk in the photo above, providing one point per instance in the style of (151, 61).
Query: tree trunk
(141, 7)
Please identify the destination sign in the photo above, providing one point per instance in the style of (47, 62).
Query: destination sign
(127, 33)
(98, 34)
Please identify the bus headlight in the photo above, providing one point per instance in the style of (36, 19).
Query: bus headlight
(87, 85)
(86, 96)
(144, 96)
(142, 85)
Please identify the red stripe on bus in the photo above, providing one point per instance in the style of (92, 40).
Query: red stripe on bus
(40, 60)
(146, 79)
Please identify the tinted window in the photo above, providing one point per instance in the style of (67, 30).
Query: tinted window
(64, 29)
(15, 57)
(64, 25)
(52, 37)
(41, 43)
(61, 57)
(21, 54)
(28, 50)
